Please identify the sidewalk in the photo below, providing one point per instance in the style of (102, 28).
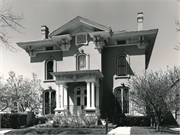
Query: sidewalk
(120, 131)
(2, 131)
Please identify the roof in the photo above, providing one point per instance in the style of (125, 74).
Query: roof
(76, 23)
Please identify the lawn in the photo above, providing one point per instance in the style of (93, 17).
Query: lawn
(57, 131)
(147, 130)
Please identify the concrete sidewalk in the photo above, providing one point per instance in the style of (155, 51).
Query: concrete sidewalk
(120, 131)
(2, 131)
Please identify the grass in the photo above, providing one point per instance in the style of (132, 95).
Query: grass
(150, 131)
(58, 131)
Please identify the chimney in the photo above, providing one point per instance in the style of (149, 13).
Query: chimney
(140, 19)
(44, 32)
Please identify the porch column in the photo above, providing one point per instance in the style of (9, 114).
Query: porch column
(65, 96)
(92, 96)
(97, 95)
(88, 95)
(62, 96)
(57, 97)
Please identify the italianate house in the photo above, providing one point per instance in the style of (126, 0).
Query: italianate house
(82, 60)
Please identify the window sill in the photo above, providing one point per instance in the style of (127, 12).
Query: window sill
(47, 81)
(122, 77)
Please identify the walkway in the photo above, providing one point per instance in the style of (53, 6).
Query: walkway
(2, 131)
(120, 131)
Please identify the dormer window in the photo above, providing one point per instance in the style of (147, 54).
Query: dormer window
(49, 68)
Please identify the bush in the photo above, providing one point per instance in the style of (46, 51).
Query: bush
(10, 120)
(135, 121)
(74, 121)
(39, 120)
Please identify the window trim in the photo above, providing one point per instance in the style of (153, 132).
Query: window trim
(45, 70)
(127, 58)
(78, 61)
(122, 97)
(87, 56)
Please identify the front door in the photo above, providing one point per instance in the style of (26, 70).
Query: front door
(80, 99)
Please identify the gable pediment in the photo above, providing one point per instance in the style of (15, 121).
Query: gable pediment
(79, 23)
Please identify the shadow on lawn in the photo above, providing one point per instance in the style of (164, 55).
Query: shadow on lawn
(165, 130)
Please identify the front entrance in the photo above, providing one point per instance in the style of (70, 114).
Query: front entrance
(80, 99)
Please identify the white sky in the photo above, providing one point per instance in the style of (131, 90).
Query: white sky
(117, 14)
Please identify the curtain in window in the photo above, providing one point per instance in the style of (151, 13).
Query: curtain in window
(81, 62)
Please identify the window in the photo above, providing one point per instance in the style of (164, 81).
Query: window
(81, 62)
(125, 100)
(121, 65)
(81, 96)
(49, 68)
(122, 97)
(49, 48)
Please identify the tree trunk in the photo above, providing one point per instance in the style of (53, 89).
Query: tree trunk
(157, 123)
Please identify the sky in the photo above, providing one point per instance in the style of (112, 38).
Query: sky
(117, 14)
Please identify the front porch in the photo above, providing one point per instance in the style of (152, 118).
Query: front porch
(77, 91)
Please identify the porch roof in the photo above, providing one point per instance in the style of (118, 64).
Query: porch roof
(96, 72)
(77, 76)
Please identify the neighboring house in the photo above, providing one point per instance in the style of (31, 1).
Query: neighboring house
(82, 60)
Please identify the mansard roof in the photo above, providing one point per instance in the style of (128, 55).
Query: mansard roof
(76, 23)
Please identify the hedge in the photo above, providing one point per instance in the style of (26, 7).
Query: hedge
(134, 121)
(10, 120)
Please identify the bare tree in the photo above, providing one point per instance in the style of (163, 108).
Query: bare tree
(8, 20)
(177, 47)
(153, 94)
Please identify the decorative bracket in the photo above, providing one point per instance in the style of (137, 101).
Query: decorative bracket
(142, 43)
(63, 41)
(31, 51)
(99, 39)
(64, 44)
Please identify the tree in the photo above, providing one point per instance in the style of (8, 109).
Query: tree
(3, 99)
(152, 94)
(177, 47)
(23, 91)
(8, 20)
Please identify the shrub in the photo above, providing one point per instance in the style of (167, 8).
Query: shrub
(10, 120)
(136, 121)
(39, 120)
(74, 121)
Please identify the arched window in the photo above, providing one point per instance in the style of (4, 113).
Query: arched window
(122, 98)
(49, 68)
(81, 62)
(121, 65)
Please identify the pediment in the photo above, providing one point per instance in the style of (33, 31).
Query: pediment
(77, 24)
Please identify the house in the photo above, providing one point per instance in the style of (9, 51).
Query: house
(82, 60)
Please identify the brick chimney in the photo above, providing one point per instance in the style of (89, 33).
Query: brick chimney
(44, 32)
(140, 19)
